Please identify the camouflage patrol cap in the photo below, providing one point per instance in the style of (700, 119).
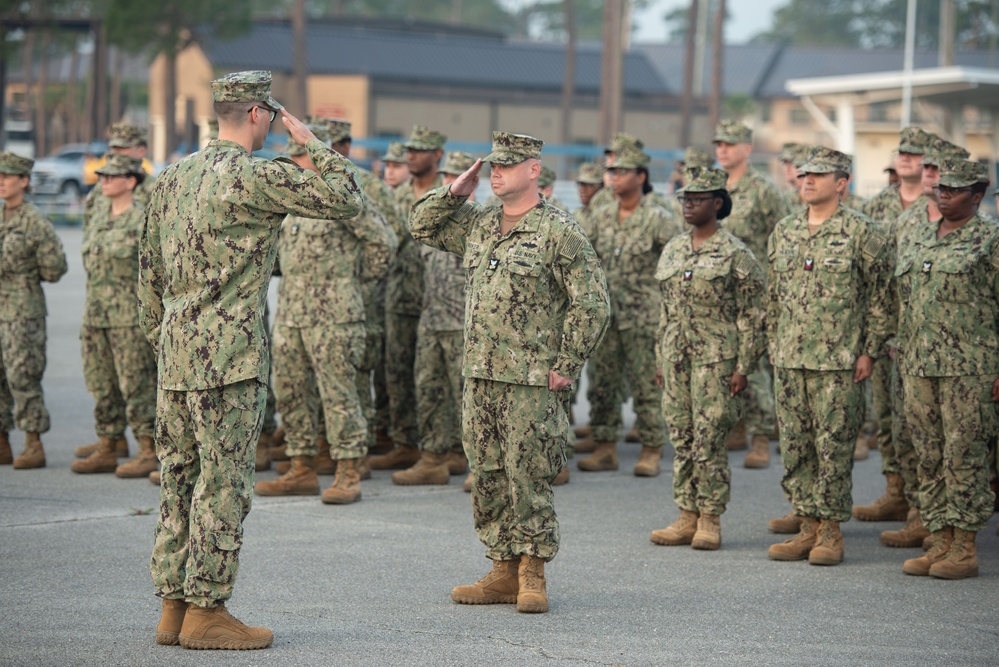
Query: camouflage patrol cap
(630, 158)
(118, 164)
(15, 165)
(695, 157)
(789, 150)
(513, 148)
(395, 152)
(960, 173)
(213, 128)
(941, 149)
(547, 177)
(733, 132)
(123, 135)
(251, 86)
(457, 163)
(914, 140)
(623, 141)
(824, 160)
(703, 179)
(803, 153)
(590, 173)
(339, 129)
(319, 129)
(424, 139)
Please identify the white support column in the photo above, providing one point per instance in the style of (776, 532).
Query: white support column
(847, 137)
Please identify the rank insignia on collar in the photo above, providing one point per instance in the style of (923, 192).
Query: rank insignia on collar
(809, 264)
(927, 266)
(688, 274)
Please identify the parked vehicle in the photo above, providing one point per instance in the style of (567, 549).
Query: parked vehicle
(19, 137)
(61, 173)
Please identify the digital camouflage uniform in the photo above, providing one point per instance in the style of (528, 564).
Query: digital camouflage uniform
(119, 367)
(536, 301)
(30, 252)
(319, 330)
(122, 135)
(757, 205)
(206, 255)
(948, 334)
(403, 303)
(828, 304)
(629, 249)
(710, 327)
(590, 173)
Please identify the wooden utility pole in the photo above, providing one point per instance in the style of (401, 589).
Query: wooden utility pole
(688, 76)
(569, 80)
(301, 64)
(717, 62)
(611, 69)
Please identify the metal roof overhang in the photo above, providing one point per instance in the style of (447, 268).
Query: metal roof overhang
(949, 86)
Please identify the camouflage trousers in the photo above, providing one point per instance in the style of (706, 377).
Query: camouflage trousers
(819, 413)
(952, 420)
(206, 442)
(760, 400)
(22, 364)
(316, 365)
(626, 357)
(367, 376)
(400, 362)
(881, 407)
(898, 455)
(515, 437)
(438, 389)
(270, 408)
(119, 368)
(700, 413)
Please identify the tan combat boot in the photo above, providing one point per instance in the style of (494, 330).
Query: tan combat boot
(799, 546)
(33, 455)
(708, 535)
(649, 462)
(920, 567)
(604, 457)
(789, 524)
(632, 435)
(104, 459)
(961, 562)
(430, 469)
(383, 443)
(154, 478)
(216, 628)
(736, 439)
(400, 458)
(6, 456)
(263, 454)
(300, 480)
(532, 596)
(585, 445)
(500, 586)
(891, 506)
(325, 465)
(171, 621)
(561, 479)
(828, 549)
(346, 487)
(467, 486)
(679, 532)
(910, 535)
(457, 464)
(121, 448)
(143, 464)
(759, 453)
(583, 431)
(862, 448)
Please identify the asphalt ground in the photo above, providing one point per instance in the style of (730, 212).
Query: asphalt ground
(368, 584)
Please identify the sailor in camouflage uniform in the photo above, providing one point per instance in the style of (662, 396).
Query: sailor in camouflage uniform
(827, 319)
(118, 363)
(924, 211)
(30, 252)
(396, 171)
(757, 205)
(630, 235)
(439, 349)
(536, 307)
(206, 256)
(404, 303)
(132, 141)
(947, 275)
(589, 181)
(710, 337)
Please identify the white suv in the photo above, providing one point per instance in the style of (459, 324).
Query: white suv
(62, 172)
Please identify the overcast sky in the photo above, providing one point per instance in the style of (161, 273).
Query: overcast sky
(748, 17)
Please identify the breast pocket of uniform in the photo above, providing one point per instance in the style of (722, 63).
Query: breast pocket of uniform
(955, 282)
(835, 279)
(16, 255)
(525, 268)
(782, 275)
(901, 278)
(708, 285)
(124, 250)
